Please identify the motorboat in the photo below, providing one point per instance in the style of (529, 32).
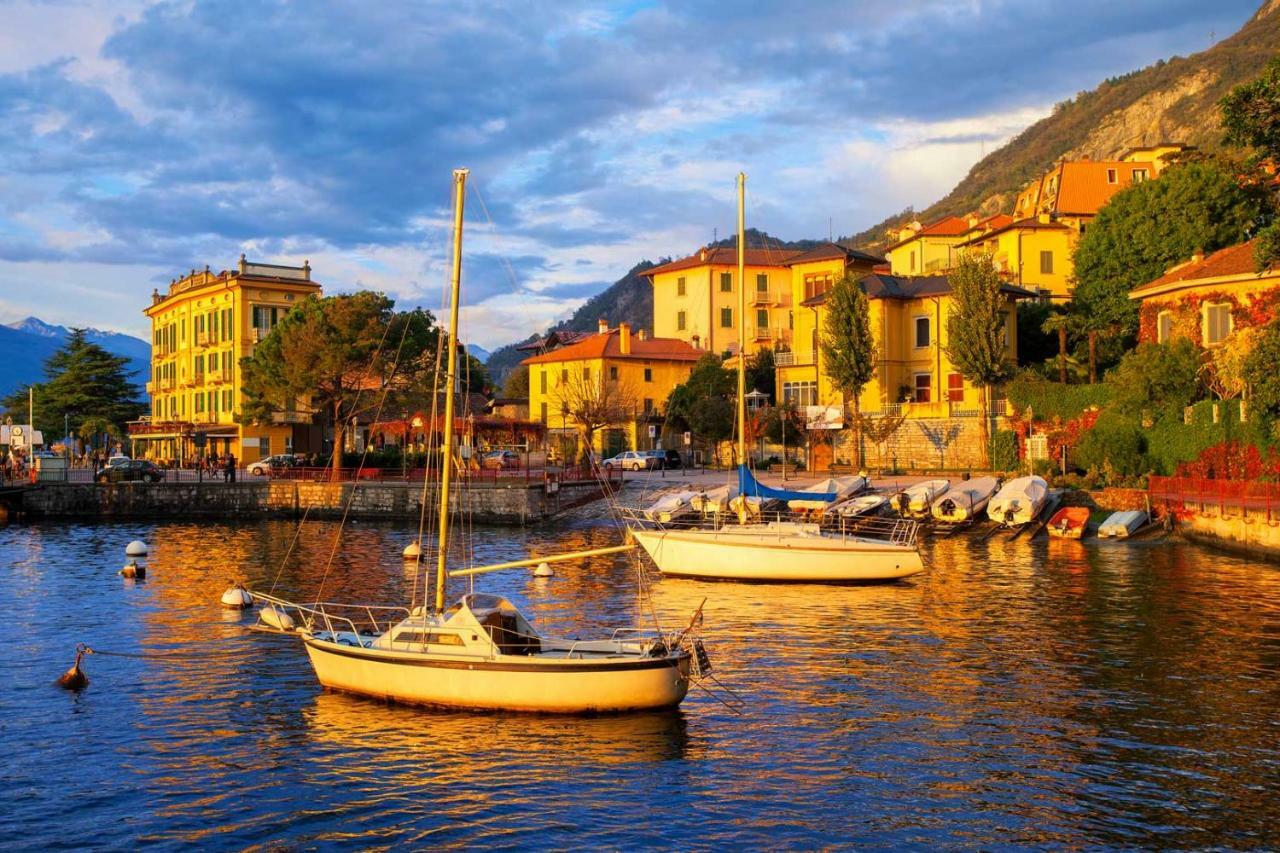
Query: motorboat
(860, 505)
(915, 500)
(964, 501)
(671, 506)
(1019, 501)
(841, 487)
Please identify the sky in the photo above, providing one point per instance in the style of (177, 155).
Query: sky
(140, 140)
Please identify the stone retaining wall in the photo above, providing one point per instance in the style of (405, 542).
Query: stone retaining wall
(487, 503)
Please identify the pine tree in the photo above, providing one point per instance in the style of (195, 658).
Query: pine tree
(976, 332)
(848, 348)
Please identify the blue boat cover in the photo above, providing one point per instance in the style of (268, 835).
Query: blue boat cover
(748, 485)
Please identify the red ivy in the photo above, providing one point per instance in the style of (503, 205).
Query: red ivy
(1231, 460)
(1257, 310)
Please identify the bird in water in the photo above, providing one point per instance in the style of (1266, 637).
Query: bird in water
(74, 678)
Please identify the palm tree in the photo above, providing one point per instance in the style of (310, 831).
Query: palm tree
(1059, 323)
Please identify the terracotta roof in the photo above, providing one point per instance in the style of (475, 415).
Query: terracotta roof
(993, 223)
(608, 345)
(1083, 187)
(559, 337)
(726, 256)
(1030, 223)
(949, 226)
(912, 287)
(834, 251)
(1233, 260)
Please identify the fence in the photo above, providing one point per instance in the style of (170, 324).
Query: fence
(1184, 493)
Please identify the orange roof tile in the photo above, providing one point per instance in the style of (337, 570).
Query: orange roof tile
(1233, 260)
(949, 226)
(1083, 186)
(608, 345)
(726, 256)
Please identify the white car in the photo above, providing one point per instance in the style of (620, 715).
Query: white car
(118, 459)
(630, 460)
(264, 467)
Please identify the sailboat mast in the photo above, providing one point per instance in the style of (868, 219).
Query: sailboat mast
(742, 319)
(446, 469)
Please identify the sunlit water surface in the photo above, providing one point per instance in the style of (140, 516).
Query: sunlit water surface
(1029, 694)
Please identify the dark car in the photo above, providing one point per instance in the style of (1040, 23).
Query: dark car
(499, 459)
(671, 458)
(132, 471)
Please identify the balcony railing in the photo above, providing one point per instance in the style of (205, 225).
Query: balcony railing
(792, 359)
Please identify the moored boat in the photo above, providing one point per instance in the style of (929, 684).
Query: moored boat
(861, 505)
(1070, 522)
(1122, 524)
(1019, 501)
(669, 507)
(823, 492)
(915, 499)
(964, 501)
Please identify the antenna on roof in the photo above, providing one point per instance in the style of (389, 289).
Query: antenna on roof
(715, 236)
(830, 234)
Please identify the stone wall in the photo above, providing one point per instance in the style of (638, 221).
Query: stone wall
(1246, 531)
(487, 503)
(924, 444)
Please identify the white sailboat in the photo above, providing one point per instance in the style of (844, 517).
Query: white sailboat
(481, 653)
(1019, 501)
(965, 500)
(760, 550)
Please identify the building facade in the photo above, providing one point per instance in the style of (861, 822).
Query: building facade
(631, 371)
(200, 330)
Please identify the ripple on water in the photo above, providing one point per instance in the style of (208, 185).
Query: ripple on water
(1016, 694)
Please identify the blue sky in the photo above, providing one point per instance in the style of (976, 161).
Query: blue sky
(139, 140)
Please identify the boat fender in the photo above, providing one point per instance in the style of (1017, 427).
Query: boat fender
(275, 617)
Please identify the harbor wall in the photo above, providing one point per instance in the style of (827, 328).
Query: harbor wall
(487, 503)
(1248, 531)
(923, 444)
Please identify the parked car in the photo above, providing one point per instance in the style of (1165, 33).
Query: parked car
(671, 458)
(131, 470)
(631, 460)
(264, 466)
(499, 459)
(118, 459)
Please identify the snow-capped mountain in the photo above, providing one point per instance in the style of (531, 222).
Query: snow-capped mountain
(26, 344)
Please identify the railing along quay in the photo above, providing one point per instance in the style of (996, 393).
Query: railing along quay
(1183, 493)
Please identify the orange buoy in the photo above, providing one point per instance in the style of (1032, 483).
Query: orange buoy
(74, 678)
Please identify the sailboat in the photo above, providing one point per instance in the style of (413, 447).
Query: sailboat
(756, 549)
(481, 653)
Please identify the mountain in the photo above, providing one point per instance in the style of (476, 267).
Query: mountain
(26, 344)
(627, 300)
(1173, 100)
(481, 354)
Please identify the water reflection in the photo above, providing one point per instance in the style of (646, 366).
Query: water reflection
(1018, 693)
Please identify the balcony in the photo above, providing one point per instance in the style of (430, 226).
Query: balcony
(764, 297)
(203, 339)
(792, 359)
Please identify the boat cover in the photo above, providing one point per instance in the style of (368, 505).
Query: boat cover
(749, 485)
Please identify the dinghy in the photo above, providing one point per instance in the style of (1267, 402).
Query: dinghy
(1121, 524)
(670, 507)
(1019, 502)
(841, 487)
(965, 500)
(1069, 522)
(916, 498)
(862, 505)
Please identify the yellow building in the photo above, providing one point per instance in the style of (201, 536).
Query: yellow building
(616, 368)
(813, 273)
(1208, 298)
(200, 330)
(1034, 253)
(926, 249)
(908, 318)
(695, 299)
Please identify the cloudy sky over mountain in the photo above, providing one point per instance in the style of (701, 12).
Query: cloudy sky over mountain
(139, 140)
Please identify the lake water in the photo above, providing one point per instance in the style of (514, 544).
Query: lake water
(1040, 694)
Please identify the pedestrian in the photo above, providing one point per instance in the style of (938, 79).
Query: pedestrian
(231, 467)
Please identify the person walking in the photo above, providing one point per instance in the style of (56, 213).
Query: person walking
(231, 467)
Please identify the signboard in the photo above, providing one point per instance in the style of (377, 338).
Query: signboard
(688, 439)
(17, 438)
(823, 417)
(653, 431)
(199, 440)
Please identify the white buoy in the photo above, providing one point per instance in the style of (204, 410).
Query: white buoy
(411, 551)
(544, 570)
(237, 598)
(133, 569)
(136, 548)
(276, 617)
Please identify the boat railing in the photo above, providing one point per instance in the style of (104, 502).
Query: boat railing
(331, 615)
(894, 530)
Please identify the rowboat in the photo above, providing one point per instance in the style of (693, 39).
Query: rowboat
(916, 498)
(1121, 524)
(861, 505)
(1019, 501)
(1069, 522)
(965, 500)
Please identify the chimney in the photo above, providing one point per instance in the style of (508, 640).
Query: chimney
(696, 339)
(603, 326)
(242, 263)
(1043, 218)
(702, 253)
(624, 338)
(1197, 256)
(642, 335)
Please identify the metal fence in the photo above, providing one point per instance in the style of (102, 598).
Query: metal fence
(1183, 493)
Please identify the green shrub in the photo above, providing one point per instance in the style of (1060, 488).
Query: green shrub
(1159, 379)
(1048, 400)
(1171, 442)
(1116, 444)
(1004, 450)
(1046, 468)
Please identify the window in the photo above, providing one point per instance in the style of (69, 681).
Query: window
(762, 318)
(955, 388)
(226, 401)
(726, 318)
(1217, 323)
(726, 282)
(1139, 175)
(762, 283)
(924, 387)
(816, 284)
(1046, 263)
(1164, 327)
(564, 375)
(1111, 176)
(800, 393)
(680, 286)
(613, 373)
(197, 369)
(586, 372)
(648, 374)
(542, 384)
(544, 413)
(265, 318)
(681, 321)
(227, 325)
(264, 445)
(648, 405)
(922, 332)
(913, 260)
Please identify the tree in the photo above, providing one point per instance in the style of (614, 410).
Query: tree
(93, 427)
(1145, 229)
(84, 381)
(848, 348)
(701, 403)
(976, 331)
(342, 357)
(591, 403)
(1251, 119)
(517, 384)
(1059, 323)
(762, 372)
(880, 430)
(1156, 380)
(1262, 372)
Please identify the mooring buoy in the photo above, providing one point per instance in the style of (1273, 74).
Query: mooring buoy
(544, 570)
(135, 570)
(74, 678)
(411, 551)
(136, 548)
(237, 598)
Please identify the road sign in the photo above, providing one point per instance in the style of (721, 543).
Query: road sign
(17, 438)
(653, 431)
(688, 439)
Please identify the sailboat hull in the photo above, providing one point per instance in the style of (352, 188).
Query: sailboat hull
(533, 683)
(768, 557)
